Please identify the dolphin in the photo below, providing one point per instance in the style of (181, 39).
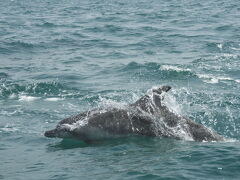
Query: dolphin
(148, 116)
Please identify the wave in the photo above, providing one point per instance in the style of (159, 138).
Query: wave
(158, 71)
(224, 28)
(227, 47)
(19, 45)
(205, 71)
(30, 91)
(174, 68)
(213, 79)
(8, 129)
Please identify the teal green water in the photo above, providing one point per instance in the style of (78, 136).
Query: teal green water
(61, 57)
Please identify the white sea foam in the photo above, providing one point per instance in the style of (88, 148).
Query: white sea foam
(12, 96)
(53, 99)
(238, 49)
(220, 46)
(10, 113)
(214, 79)
(230, 55)
(8, 128)
(171, 103)
(27, 98)
(174, 68)
(109, 103)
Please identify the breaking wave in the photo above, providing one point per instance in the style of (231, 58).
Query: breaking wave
(53, 91)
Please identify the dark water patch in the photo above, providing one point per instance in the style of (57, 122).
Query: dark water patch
(163, 145)
(135, 66)
(60, 176)
(112, 28)
(93, 29)
(72, 77)
(74, 60)
(5, 50)
(44, 76)
(47, 25)
(212, 47)
(148, 176)
(223, 47)
(189, 37)
(142, 175)
(79, 35)
(20, 44)
(113, 18)
(35, 167)
(175, 51)
(220, 161)
(224, 28)
(100, 43)
(72, 9)
(149, 52)
(130, 31)
(66, 41)
(116, 55)
(153, 41)
(28, 12)
(104, 29)
(233, 73)
(67, 144)
(48, 87)
(3, 75)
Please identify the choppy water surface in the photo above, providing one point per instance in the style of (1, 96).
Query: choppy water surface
(59, 57)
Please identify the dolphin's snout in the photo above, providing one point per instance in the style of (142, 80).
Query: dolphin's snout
(59, 131)
(51, 133)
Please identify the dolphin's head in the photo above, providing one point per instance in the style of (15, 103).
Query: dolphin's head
(61, 131)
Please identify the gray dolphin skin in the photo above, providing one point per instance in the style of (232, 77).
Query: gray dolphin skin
(148, 116)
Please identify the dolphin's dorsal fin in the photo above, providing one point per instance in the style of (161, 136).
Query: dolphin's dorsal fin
(154, 95)
(158, 95)
(161, 89)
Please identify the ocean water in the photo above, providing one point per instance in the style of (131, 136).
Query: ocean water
(62, 57)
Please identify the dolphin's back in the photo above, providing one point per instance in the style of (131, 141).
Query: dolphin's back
(120, 121)
(73, 119)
